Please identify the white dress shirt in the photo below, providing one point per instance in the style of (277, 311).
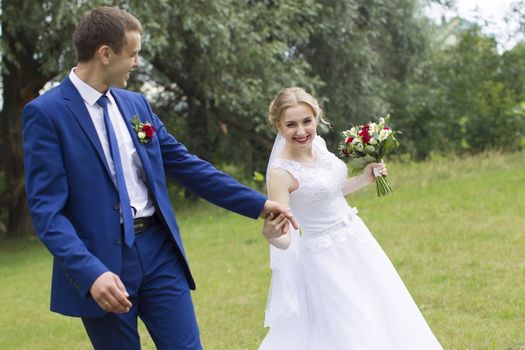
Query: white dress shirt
(131, 164)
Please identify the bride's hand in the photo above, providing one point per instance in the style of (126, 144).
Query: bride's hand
(274, 226)
(369, 170)
(278, 208)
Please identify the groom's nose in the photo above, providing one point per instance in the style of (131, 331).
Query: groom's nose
(136, 62)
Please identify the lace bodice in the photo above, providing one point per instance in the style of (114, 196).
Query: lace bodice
(318, 203)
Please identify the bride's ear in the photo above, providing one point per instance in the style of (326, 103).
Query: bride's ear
(278, 128)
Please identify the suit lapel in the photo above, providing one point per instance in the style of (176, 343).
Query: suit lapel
(75, 104)
(127, 113)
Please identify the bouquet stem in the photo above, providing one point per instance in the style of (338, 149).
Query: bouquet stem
(382, 186)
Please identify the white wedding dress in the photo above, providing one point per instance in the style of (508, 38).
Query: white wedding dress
(334, 288)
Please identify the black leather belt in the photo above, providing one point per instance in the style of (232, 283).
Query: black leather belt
(142, 224)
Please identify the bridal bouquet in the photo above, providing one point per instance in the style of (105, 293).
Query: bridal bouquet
(366, 144)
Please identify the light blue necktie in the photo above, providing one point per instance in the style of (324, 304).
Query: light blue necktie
(125, 204)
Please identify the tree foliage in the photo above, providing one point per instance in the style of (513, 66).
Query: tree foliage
(465, 98)
(210, 69)
(220, 62)
(33, 52)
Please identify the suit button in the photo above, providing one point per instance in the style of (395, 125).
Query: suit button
(118, 241)
(116, 206)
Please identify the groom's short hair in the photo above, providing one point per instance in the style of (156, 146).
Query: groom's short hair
(103, 26)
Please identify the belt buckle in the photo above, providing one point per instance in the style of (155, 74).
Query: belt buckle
(139, 226)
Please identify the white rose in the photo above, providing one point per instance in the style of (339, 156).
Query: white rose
(373, 141)
(383, 135)
(141, 135)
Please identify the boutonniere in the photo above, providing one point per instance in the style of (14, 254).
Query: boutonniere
(144, 131)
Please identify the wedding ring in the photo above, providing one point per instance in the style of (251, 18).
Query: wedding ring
(106, 303)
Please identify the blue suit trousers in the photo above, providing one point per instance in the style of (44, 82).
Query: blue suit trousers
(160, 294)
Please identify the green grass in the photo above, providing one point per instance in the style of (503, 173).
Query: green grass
(454, 229)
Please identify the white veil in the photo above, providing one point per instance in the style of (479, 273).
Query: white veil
(283, 297)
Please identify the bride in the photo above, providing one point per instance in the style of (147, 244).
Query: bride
(333, 287)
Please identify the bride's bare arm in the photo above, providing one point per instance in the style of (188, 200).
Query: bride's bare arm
(355, 183)
(280, 184)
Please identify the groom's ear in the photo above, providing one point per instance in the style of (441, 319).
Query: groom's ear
(103, 53)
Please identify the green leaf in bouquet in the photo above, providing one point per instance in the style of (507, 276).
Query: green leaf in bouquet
(389, 144)
(369, 149)
(360, 163)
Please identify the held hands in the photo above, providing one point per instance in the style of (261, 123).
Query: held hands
(277, 218)
(368, 173)
(274, 225)
(110, 294)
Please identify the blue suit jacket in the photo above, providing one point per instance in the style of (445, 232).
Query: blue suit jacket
(74, 203)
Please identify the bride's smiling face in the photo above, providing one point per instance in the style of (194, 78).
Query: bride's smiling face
(298, 126)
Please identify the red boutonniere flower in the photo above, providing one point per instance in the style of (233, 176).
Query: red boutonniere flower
(144, 131)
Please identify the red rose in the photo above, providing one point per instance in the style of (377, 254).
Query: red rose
(148, 130)
(385, 128)
(348, 140)
(365, 135)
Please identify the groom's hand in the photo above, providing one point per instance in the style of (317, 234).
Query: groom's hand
(109, 293)
(277, 208)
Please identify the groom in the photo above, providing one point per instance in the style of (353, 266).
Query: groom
(96, 158)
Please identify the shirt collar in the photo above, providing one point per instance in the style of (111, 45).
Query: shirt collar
(88, 94)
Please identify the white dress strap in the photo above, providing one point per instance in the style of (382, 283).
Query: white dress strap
(290, 166)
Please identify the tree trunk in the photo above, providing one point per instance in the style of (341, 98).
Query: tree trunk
(22, 80)
(13, 197)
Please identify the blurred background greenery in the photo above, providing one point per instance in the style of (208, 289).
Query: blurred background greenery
(210, 69)
(454, 228)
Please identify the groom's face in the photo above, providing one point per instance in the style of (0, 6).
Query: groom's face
(121, 65)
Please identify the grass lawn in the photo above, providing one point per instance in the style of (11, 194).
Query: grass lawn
(454, 229)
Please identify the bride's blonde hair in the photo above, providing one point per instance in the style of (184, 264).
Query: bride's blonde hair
(292, 97)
